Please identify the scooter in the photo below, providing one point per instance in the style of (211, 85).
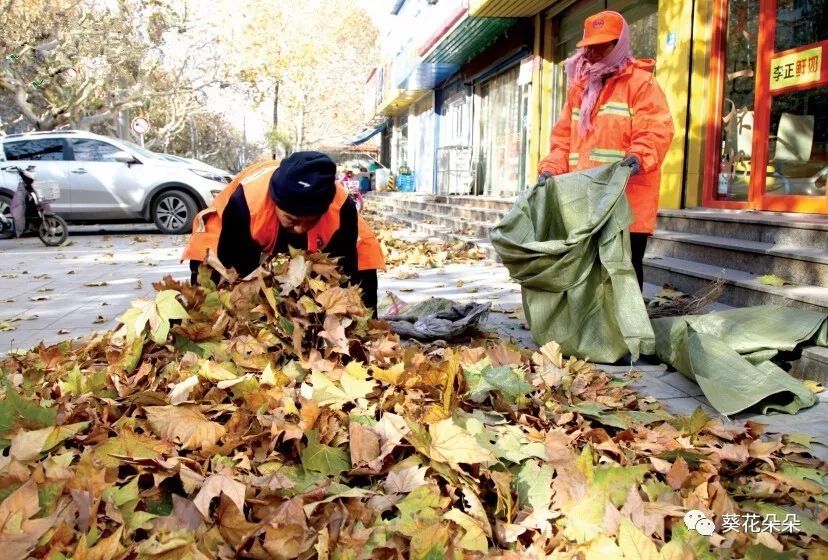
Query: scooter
(30, 211)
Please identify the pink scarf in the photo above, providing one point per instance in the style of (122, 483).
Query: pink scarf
(577, 68)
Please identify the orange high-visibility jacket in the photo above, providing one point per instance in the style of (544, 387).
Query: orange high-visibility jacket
(264, 224)
(630, 117)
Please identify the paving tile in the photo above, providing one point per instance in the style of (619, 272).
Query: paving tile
(687, 405)
(654, 387)
(679, 381)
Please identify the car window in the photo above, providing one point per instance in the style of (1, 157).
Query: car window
(42, 149)
(86, 149)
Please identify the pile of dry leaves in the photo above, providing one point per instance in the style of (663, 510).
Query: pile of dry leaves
(272, 419)
(431, 253)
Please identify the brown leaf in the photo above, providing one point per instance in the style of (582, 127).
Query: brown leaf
(107, 548)
(185, 425)
(679, 474)
(342, 301)
(232, 524)
(216, 485)
(364, 444)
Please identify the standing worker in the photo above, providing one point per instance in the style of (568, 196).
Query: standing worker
(297, 203)
(614, 111)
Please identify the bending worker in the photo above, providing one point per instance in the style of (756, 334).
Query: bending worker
(614, 111)
(297, 203)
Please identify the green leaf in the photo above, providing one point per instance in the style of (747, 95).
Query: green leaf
(804, 473)
(595, 411)
(80, 383)
(15, 406)
(806, 524)
(47, 497)
(805, 440)
(634, 543)
(481, 378)
(774, 280)
(534, 485)
(324, 459)
(615, 482)
(691, 425)
(422, 504)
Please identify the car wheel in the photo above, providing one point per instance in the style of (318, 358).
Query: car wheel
(5, 209)
(173, 212)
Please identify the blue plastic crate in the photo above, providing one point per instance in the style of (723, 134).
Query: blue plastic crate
(405, 183)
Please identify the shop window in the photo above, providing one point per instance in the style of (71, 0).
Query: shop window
(454, 154)
(800, 22)
(737, 107)
(500, 157)
(798, 143)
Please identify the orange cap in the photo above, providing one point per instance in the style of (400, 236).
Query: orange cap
(602, 27)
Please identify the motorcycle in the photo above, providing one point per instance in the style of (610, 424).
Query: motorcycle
(30, 211)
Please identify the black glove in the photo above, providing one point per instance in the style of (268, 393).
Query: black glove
(631, 162)
(542, 178)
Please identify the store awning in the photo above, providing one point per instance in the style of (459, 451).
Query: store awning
(368, 133)
(427, 76)
(399, 101)
(468, 37)
(507, 8)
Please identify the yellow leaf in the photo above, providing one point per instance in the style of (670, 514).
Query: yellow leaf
(474, 537)
(634, 543)
(391, 375)
(453, 445)
(603, 548)
(184, 424)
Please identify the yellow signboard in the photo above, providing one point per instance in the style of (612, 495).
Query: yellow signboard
(796, 69)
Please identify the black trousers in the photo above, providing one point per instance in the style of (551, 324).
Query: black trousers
(638, 244)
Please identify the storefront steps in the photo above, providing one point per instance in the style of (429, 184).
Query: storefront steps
(692, 247)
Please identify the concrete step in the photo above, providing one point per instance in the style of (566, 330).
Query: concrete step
(479, 202)
(812, 365)
(454, 224)
(807, 265)
(436, 208)
(741, 288)
(791, 230)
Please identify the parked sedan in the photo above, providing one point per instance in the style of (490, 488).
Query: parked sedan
(109, 180)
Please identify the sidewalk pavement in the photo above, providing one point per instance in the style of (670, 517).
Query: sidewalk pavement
(54, 294)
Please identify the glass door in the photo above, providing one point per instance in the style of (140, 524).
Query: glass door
(768, 135)
(796, 114)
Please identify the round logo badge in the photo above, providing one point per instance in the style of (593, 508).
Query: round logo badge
(598, 24)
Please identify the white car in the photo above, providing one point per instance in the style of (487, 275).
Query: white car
(104, 179)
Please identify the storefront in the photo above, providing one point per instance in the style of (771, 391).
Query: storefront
(454, 148)
(421, 125)
(502, 119)
(767, 139)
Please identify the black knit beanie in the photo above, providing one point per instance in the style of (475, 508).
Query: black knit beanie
(304, 184)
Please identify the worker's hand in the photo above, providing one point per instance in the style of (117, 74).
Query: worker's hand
(542, 178)
(631, 162)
